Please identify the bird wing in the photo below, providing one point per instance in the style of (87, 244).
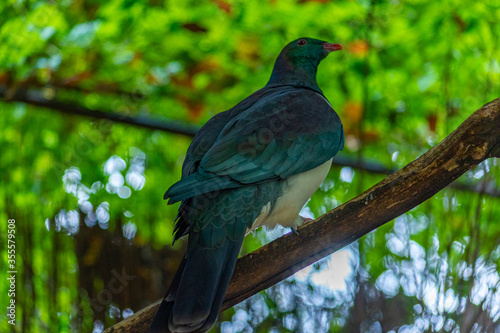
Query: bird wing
(280, 135)
(208, 134)
(201, 144)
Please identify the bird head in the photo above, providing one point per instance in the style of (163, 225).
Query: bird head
(308, 50)
(298, 62)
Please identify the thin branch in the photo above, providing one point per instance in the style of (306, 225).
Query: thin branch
(36, 98)
(101, 88)
(477, 139)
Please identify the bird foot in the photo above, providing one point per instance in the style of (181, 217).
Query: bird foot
(301, 220)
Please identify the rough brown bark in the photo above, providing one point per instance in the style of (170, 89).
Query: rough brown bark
(472, 142)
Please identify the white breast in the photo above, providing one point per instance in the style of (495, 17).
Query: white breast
(298, 189)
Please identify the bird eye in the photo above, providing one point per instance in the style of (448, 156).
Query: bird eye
(302, 42)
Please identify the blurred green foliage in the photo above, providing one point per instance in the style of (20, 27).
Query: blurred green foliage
(87, 193)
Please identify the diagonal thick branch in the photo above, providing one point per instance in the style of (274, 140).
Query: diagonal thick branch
(475, 140)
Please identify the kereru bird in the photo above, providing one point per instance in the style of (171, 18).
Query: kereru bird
(253, 165)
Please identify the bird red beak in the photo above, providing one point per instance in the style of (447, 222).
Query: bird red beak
(332, 47)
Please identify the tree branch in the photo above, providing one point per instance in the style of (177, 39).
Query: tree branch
(472, 142)
(36, 98)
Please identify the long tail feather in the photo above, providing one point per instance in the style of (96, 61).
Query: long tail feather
(194, 298)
